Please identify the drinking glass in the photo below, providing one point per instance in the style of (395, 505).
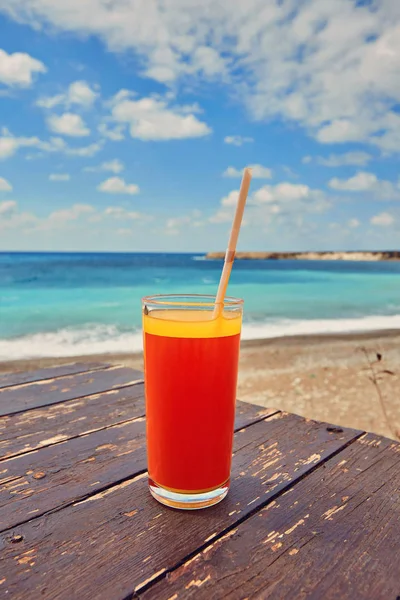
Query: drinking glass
(191, 352)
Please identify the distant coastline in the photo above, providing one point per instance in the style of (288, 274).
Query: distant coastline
(356, 256)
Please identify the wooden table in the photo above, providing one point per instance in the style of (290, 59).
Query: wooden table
(313, 511)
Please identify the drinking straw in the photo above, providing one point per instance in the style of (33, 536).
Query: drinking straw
(233, 238)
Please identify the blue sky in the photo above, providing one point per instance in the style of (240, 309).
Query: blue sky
(125, 126)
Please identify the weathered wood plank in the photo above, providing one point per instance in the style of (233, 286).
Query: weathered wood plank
(42, 480)
(118, 540)
(66, 471)
(251, 413)
(33, 429)
(53, 391)
(336, 534)
(40, 427)
(18, 378)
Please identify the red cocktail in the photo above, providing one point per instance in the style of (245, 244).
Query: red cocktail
(191, 363)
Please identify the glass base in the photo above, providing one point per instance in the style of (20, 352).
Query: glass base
(188, 500)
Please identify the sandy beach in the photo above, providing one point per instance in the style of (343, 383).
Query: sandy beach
(343, 379)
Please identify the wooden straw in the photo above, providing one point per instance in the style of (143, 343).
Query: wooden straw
(233, 238)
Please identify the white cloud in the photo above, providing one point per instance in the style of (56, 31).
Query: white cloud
(152, 119)
(88, 213)
(59, 177)
(77, 216)
(284, 200)
(173, 225)
(7, 208)
(353, 223)
(50, 101)
(85, 151)
(208, 62)
(289, 172)
(115, 166)
(367, 182)
(69, 214)
(54, 144)
(114, 134)
(19, 68)
(10, 144)
(5, 186)
(232, 172)
(258, 172)
(291, 196)
(221, 216)
(231, 199)
(383, 219)
(78, 92)
(118, 212)
(121, 95)
(330, 66)
(68, 124)
(116, 185)
(11, 218)
(360, 182)
(237, 140)
(357, 159)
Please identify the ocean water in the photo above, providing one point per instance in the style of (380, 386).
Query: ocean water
(66, 304)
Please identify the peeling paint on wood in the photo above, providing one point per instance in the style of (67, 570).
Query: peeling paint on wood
(332, 511)
(314, 458)
(118, 451)
(125, 405)
(78, 519)
(13, 379)
(276, 546)
(39, 394)
(353, 555)
(147, 581)
(79, 417)
(97, 529)
(295, 526)
(68, 471)
(198, 582)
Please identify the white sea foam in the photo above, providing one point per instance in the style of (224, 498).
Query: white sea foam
(99, 339)
(95, 339)
(287, 327)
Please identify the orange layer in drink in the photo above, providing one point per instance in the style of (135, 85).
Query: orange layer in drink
(191, 363)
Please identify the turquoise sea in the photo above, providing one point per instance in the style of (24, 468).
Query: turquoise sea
(64, 304)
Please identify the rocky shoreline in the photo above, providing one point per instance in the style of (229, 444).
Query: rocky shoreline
(358, 256)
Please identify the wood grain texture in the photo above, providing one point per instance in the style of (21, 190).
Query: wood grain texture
(40, 427)
(10, 379)
(246, 414)
(119, 540)
(33, 429)
(336, 534)
(67, 471)
(53, 391)
(45, 479)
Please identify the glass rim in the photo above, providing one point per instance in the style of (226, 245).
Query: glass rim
(190, 300)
